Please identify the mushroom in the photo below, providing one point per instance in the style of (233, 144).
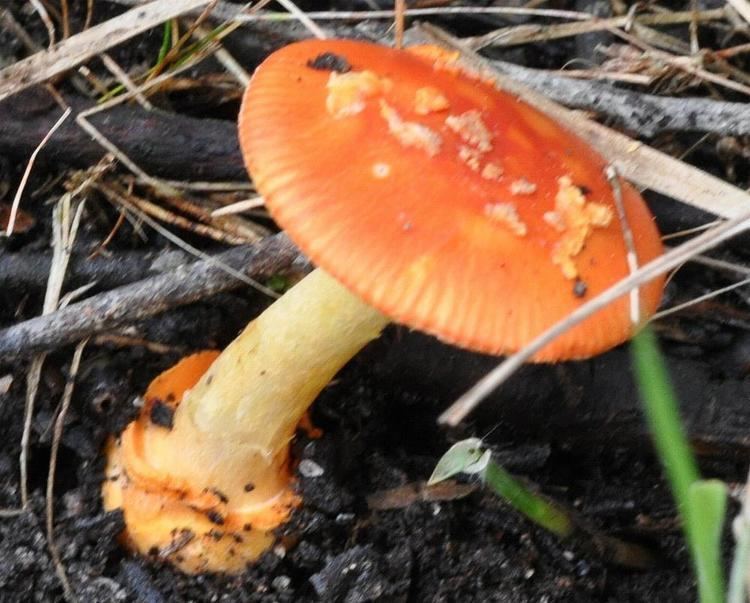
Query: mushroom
(427, 197)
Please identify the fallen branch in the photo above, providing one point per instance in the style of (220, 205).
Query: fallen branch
(164, 144)
(179, 147)
(22, 270)
(184, 285)
(645, 114)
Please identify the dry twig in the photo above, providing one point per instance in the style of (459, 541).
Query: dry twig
(148, 297)
(164, 144)
(117, 196)
(644, 114)
(31, 269)
(524, 34)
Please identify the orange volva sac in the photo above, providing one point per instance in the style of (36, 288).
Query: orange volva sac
(427, 197)
(178, 505)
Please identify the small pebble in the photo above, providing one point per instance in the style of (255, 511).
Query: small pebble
(74, 503)
(5, 382)
(281, 582)
(308, 468)
(583, 569)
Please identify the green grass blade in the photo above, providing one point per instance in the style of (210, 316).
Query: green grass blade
(663, 416)
(166, 41)
(536, 508)
(707, 500)
(700, 524)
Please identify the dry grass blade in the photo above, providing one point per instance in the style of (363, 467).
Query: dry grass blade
(227, 61)
(177, 47)
(65, 18)
(399, 9)
(64, 232)
(721, 265)
(125, 80)
(202, 209)
(75, 364)
(117, 195)
(81, 47)
(9, 23)
(44, 16)
(239, 207)
(32, 388)
(311, 26)
(82, 120)
(689, 231)
(66, 220)
(233, 12)
(742, 7)
(690, 65)
(700, 298)
(122, 340)
(27, 172)
(627, 234)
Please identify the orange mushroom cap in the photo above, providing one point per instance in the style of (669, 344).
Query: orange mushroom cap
(447, 204)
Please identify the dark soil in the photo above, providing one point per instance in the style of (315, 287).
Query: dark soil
(575, 430)
(379, 433)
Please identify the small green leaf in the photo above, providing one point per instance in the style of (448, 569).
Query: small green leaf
(465, 456)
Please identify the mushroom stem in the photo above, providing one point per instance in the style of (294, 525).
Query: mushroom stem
(262, 384)
(218, 479)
